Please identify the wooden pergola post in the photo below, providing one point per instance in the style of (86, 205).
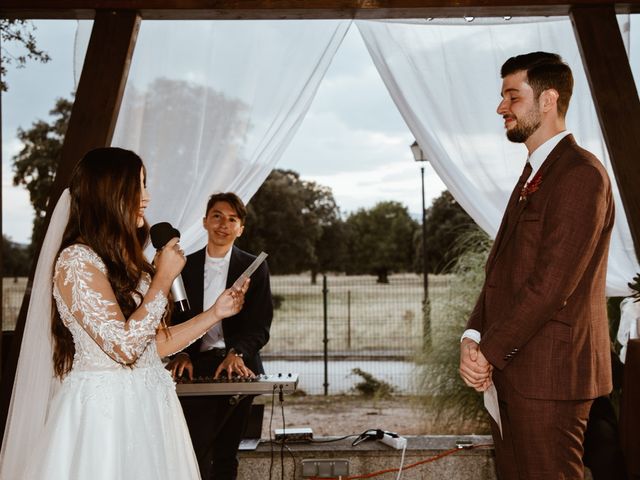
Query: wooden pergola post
(616, 100)
(91, 125)
(116, 24)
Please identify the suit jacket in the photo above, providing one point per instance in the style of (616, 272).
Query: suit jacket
(248, 331)
(542, 310)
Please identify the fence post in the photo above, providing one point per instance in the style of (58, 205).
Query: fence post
(325, 339)
(349, 319)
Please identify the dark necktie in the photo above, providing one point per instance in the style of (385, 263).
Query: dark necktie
(513, 201)
(526, 173)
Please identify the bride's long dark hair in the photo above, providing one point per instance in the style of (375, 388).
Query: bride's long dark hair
(105, 201)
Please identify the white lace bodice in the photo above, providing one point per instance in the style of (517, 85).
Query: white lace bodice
(104, 339)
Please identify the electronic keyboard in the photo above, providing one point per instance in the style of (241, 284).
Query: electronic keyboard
(260, 385)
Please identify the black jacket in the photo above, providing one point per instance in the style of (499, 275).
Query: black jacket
(248, 331)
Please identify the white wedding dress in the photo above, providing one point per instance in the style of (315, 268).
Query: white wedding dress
(116, 415)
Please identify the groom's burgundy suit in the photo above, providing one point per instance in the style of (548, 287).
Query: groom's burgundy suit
(542, 311)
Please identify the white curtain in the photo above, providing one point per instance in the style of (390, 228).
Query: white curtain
(35, 383)
(211, 106)
(445, 79)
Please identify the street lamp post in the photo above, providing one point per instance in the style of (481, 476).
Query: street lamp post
(418, 155)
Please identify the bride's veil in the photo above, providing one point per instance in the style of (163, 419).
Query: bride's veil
(35, 382)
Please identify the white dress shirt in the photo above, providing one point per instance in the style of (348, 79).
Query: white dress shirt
(629, 327)
(540, 154)
(215, 281)
(536, 159)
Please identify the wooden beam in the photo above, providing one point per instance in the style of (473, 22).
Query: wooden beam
(2, 260)
(95, 110)
(91, 125)
(616, 100)
(301, 9)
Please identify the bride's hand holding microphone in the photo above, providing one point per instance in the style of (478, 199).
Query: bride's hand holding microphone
(169, 262)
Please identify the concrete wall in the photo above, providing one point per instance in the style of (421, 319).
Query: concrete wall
(372, 456)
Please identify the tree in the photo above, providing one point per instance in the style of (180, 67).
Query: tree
(290, 218)
(332, 248)
(18, 32)
(446, 224)
(35, 165)
(440, 388)
(381, 240)
(195, 107)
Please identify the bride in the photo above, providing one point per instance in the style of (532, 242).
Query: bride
(115, 414)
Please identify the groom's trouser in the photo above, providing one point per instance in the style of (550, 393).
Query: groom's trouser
(541, 439)
(216, 425)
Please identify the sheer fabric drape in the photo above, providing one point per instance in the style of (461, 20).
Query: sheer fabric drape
(212, 105)
(445, 80)
(209, 106)
(35, 382)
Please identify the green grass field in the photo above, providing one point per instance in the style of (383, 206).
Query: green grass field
(362, 314)
(12, 293)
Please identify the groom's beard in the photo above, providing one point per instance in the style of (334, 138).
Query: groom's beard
(525, 126)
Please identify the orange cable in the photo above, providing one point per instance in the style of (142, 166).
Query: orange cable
(412, 465)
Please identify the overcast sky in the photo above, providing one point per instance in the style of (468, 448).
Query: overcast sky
(353, 139)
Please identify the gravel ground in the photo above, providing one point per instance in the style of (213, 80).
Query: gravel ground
(352, 414)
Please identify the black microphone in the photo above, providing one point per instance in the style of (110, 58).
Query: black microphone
(161, 233)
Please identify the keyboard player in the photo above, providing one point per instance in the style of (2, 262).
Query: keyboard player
(231, 347)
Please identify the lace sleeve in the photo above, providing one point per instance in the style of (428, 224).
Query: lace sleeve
(81, 280)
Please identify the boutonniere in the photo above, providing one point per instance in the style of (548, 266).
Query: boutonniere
(531, 187)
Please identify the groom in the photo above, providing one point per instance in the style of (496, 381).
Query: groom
(231, 347)
(539, 330)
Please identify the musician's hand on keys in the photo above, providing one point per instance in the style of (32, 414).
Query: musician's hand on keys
(233, 364)
(179, 364)
(230, 301)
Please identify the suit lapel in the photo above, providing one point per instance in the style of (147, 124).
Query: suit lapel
(234, 267)
(234, 272)
(197, 279)
(515, 207)
(513, 214)
(508, 220)
(561, 149)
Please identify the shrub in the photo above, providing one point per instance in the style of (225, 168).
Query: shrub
(370, 386)
(277, 300)
(439, 382)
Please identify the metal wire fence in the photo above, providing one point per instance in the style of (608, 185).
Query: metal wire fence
(12, 293)
(376, 328)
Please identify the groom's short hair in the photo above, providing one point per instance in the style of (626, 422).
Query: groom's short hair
(544, 71)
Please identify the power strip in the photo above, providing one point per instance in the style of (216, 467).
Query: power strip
(303, 434)
(398, 443)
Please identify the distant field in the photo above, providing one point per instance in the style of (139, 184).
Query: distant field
(12, 293)
(377, 328)
(362, 314)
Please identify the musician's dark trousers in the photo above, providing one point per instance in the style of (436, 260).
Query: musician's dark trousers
(215, 424)
(602, 451)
